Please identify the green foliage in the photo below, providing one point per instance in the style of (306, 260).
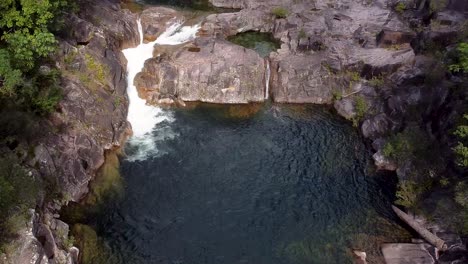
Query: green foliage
(400, 7)
(462, 154)
(9, 77)
(408, 193)
(280, 12)
(361, 107)
(444, 181)
(26, 37)
(17, 193)
(461, 150)
(69, 241)
(92, 248)
(461, 194)
(409, 144)
(354, 75)
(42, 93)
(337, 95)
(302, 34)
(96, 68)
(437, 5)
(461, 198)
(377, 82)
(462, 64)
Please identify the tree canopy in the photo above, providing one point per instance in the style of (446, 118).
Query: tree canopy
(25, 37)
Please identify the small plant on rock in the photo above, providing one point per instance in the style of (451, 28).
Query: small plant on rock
(302, 34)
(400, 7)
(377, 81)
(280, 12)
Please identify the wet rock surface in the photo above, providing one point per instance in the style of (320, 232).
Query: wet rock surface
(154, 21)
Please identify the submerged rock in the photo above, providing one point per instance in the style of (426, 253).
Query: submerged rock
(154, 21)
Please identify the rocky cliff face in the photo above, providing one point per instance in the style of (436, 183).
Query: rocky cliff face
(91, 120)
(327, 49)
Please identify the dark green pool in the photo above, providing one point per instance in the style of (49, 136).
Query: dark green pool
(283, 185)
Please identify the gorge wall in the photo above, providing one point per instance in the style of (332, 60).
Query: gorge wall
(363, 57)
(91, 119)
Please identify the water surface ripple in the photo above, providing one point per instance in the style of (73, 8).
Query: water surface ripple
(288, 185)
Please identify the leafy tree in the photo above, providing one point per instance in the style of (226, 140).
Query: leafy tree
(25, 37)
(9, 76)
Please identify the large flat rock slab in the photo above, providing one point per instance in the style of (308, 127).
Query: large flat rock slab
(208, 70)
(407, 253)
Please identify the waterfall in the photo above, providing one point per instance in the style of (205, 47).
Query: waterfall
(267, 79)
(145, 118)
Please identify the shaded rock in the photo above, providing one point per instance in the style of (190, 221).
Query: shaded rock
(26, 247)
(383, 163)
(44, 234)
(457, 5)
(389, 38)
(345, 108)
(376, 126)
(119, 26)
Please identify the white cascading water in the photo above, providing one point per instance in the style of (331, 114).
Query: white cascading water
(267, 79)
(145, 118)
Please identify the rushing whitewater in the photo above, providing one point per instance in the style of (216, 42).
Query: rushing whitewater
(145, 118)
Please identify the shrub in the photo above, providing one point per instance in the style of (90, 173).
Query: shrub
(96, 68)
(408, 193)
(42, 94)
(461, 194)
(377, 81)
(354, 75)
(18, 192)
(462, 154)
(461, 150)
(400, 7)
(337, 95)
(437, 5)
(360, 105)
(462, 58)
(280, 12)
(409, 144)
(302, 34)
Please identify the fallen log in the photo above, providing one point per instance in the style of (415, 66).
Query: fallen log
(423, 232)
